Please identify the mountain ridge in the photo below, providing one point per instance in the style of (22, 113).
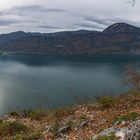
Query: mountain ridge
(117, 38)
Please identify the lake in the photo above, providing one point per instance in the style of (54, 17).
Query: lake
(29, 81)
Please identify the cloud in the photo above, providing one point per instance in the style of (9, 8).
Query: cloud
(88, 26)
(59, 15)
(99, 21)
(7, 22)
(34, 15)
(48, 27)
(23, 10)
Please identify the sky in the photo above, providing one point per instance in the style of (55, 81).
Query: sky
(61, 15)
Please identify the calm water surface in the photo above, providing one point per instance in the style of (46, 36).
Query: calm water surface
(26, 80)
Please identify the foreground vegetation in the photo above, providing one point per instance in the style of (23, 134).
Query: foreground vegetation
(81, 121)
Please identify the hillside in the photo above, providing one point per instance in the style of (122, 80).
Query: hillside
(105, 119)
(117, 38)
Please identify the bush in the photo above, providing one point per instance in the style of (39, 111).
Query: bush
(32, 136)
(54, 128)
(58, 114)
(37, 115)
(15, 114)
(26, 113)
(34, 115)
(106, 101)
(12, 128)
(107, 137)
(130, 117)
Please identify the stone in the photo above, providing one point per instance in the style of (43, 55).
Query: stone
(103, 121)
(134, 132)
(48, 128)
(83, 124)
(123, 123)
(63, 129)
(137, 118)
(108, 131)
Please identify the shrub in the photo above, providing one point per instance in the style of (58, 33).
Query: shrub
(130, 117)
(58, 114)
(15, 114)
(12, 128)
(36, 115)
(83, 117)
(32, 136)
(54, 128)
(26, 113)
(107, 137)
(132, 78)
(106, 101)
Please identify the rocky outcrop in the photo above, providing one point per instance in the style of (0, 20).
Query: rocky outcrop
(134, 132)
(131, 133)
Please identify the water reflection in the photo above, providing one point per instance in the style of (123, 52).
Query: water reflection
(26, 78)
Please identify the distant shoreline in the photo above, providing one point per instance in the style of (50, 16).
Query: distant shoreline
(70, 54)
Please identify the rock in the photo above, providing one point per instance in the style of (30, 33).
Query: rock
(123, 123)
(108, 131)
(116, 123)
(104, 132)
(63, 129)
(103, 121)
(134, 132)
(83, 124)
(118, 133)
(137, 118)
(68, 119)
(11, 119)
(48, 128)
(121, 133)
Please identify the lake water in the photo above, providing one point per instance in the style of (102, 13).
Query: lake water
(27, 80)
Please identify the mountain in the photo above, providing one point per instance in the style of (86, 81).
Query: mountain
(117, 38)
(121, 28)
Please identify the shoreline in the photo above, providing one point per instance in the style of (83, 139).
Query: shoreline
(71, 54)
(87, 121)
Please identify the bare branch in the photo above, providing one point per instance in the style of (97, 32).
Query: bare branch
(133, 2)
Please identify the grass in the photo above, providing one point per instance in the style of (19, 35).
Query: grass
(129, 117)
(56, 125)
(15, 114)
(106, 101)
(54, 128)
(12, 128)
(23, 136)
(33, 136)
(34, 115)
(59, 114)
(107, 137)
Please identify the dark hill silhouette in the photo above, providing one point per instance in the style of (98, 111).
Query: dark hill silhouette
(117, 38)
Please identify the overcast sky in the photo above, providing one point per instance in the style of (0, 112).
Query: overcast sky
(60, 15)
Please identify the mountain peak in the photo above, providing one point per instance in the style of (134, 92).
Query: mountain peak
(121, 27)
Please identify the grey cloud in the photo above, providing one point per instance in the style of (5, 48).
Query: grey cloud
(99, 21)
(123, 20)
(7, 22)
(23, 11)
(54, 15)
(1, 13)
(34, 8)
(48, 27)
(86, 25)
(27, 10)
